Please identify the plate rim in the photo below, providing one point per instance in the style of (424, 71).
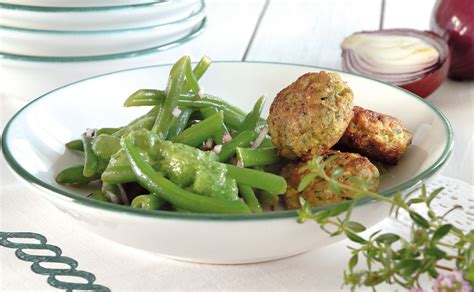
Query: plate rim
(108, 57)
(104, 206)
(74, 9)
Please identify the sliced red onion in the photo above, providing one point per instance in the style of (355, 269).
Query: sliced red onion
(123, 195)
(412, 59)
(261, 136)
(217, 149)
(226, 138)
(113, 198)
(176, 112)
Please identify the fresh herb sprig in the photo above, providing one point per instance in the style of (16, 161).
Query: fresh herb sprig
(388, 257)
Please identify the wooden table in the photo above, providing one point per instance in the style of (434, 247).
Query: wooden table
(310, 32)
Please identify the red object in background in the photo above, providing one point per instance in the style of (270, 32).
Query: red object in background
(423, 81)
(453, 20)
(425, 86)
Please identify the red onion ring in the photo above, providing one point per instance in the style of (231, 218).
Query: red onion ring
(422, 80)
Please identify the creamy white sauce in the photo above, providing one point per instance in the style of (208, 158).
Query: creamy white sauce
(392, 53)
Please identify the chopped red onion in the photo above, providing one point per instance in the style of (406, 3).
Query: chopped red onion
(217, 149)
(208, 144)
(176, 112)
(90, 133)
(201, 92)
(226, 138)
(261, 136)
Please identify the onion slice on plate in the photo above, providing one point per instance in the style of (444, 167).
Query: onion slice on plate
(415, 60)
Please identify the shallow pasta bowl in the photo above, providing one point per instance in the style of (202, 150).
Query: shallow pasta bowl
(33, 145)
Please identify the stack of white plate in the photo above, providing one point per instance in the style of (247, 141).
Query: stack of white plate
(47, 43)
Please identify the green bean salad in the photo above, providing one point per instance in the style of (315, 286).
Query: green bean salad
(191, 152)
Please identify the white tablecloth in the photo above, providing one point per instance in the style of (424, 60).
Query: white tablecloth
(121, 268)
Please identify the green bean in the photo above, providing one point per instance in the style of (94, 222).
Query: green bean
(144, 122)
(218, 135)
(257, 179)
(75, 145)
(199, 71)
(252, 118)
(174, 87)
(191, 80)
(118, 175)
(242, 140)
(104, 146)
(198, 133)
(179, 124)
(108, 131)
(266, 143)
(90, 159)
(148, 202)
(98, 196)
(147, 97)
(249, 196)
(170, 192)
(257, 157)
(73, 175)
(267, 198)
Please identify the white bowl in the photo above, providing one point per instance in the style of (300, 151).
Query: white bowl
(49, 43)
(33, 145)
(16, 71)
(80, 3)
(99, 18)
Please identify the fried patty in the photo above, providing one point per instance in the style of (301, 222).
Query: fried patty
(377, 136)
(309, 116)
(318, 192)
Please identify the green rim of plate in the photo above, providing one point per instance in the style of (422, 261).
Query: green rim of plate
(77, 198)
(196, 32)
(195, 14)
(53, 9)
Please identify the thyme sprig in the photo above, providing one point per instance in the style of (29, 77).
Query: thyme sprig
(388, 257)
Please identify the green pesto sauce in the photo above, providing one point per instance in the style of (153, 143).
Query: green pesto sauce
(196, 170)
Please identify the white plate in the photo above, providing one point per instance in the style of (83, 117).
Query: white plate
(33, 144)
(80, 3)
(104, 18)
(50, 43)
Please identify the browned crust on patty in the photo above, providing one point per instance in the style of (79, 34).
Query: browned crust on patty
(377, 136)
(309, 116)
(318, 192)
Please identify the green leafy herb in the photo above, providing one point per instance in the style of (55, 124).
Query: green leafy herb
(390, 258)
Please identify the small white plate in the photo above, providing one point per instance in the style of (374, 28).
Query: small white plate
(103, 18)
(33, 144)
(49, 43)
